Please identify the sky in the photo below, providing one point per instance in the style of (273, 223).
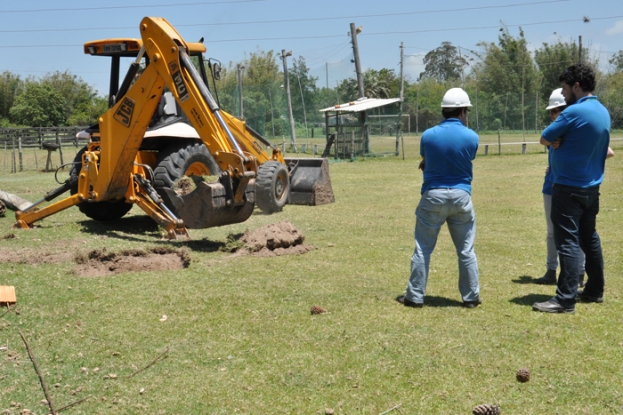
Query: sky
(39, 37)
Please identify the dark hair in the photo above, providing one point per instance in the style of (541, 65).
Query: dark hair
(452, 112)
(582, 74)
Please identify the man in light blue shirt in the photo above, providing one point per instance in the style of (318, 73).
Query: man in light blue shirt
(447, 152)
(579, 137)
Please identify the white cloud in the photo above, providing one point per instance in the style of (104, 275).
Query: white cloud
(616, 29)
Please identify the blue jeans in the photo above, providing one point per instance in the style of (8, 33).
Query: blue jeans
(454, 207)
(552, 253)
(574, 214)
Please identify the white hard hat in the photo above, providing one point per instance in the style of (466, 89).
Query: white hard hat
(455, 98)
(556, 99)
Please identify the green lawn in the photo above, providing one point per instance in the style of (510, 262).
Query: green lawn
(240, 336)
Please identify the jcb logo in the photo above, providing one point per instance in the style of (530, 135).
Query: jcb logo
(182, 92)
(125, 111)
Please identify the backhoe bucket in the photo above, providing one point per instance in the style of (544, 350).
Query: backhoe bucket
(310, 183)
(206, 206)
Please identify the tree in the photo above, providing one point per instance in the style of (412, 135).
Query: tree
(72, 88)
(9, 84)
(303, 91)
(444, 63)
(38, 106)
(508, 77)
(617, 61)
(88, 113)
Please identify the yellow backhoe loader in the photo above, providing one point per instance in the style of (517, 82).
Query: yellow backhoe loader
(164, 125)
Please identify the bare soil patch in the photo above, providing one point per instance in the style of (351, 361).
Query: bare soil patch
(99, 263)
(32, 257)
(275, 239)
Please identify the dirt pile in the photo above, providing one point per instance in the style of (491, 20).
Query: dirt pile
(275, 239)
(99, 263)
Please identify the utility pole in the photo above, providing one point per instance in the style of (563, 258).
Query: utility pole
(580, 51)
(402, 77)
(284, 55)
(327, 70)
(240, 68)
(353, 34)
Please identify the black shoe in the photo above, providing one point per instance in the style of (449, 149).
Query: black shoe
(472, 304)
(548, 279)
(553, 306)
(408, 303)
(588, 298)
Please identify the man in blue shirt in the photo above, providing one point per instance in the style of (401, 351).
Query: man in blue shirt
(447, 152)
(580, 137)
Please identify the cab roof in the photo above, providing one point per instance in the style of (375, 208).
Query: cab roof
(127, 47)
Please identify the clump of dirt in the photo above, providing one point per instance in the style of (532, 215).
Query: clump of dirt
(2, 209)
(9, 236)
(275, 239)
(99, 263)
(184, 186)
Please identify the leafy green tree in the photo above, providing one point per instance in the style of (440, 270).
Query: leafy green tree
(609, 92)
(617, 61)
(444, 63)
(76, 92)
(88, 113)
(303, 92)
(507, 76)
(38, 106)
(9, 84)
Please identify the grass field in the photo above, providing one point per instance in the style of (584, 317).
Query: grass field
(239, 336)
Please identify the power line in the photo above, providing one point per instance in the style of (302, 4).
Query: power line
(363, 16)
(74, 9)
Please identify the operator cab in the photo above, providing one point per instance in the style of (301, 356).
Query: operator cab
(169, 120)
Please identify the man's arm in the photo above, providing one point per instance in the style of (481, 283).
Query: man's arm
(610, 153)
(555, 144)
(422, 164)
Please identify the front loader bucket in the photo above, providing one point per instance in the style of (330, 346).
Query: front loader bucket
(310, 183)
(206, 206)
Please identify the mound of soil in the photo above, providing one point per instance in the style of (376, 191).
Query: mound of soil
(99, 263)
(275, 239)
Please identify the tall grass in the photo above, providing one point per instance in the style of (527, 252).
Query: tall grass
(240, 336)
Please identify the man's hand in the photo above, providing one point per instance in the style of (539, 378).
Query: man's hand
(421, 166)
(556, 143)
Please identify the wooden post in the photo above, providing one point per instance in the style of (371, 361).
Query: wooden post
(13, 163)
(315, 149)
(486, 149)
(523, 148)
(21, 156)
(34, 150)
(499, 144)
(352, 145)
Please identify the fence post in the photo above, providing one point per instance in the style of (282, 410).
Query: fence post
(315, 149)
(523, 148)
(352, 145)
(21, 157)
(13, 161)
(34, 150)
(486, 149)
(499, 144)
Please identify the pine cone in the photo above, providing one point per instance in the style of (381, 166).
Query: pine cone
(317, 310)
(487, 409)
(523, 375)
(2, 209)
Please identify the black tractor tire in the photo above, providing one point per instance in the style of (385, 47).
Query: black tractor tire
(101, 211)
(272, 187)
(183, 159)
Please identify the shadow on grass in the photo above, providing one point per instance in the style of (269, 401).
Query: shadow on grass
(525, 279)
(139, 225)
(143, 226)
(435, 301)
(530, 299)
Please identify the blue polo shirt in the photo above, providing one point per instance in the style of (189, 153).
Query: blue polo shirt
(448, 149)
(585, 131)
